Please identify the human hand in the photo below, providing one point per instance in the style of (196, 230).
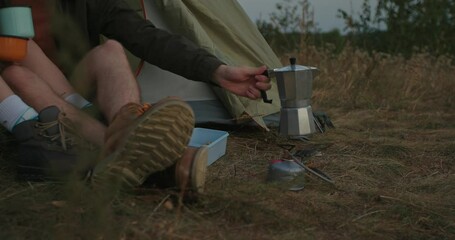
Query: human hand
(243, 81)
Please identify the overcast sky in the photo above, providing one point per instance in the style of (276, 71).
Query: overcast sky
(325, 11)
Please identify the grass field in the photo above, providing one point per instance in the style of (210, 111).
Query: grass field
(391, 155)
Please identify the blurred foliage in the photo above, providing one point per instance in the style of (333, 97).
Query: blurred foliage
(291, 24)
(404, 26)
(389, 26)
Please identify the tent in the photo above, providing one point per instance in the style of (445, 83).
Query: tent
(224, 29)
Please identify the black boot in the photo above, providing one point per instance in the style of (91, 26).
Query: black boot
(50, 148)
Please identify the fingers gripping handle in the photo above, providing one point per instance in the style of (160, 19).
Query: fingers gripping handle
(264, 93)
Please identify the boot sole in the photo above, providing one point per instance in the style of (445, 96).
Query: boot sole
(159, 138)
(199, 170)
(190, 172)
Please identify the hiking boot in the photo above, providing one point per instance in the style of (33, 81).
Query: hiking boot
(142, 140)
(187, 175)
(49, 148)
(190, 170)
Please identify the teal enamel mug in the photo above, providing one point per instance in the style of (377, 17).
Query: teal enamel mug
(16, 21)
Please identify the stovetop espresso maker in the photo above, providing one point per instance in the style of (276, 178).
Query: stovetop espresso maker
(295, 87)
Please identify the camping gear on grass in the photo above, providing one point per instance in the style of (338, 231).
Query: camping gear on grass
(316, 172)
(286, 172)
(295, 85)
(214, 140)
(289, 169)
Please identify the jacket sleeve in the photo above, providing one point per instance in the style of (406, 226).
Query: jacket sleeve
(158, 47)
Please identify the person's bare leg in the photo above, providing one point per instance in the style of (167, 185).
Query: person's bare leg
(38, 94)
(106, 69)
(5, 91)
(36, 61)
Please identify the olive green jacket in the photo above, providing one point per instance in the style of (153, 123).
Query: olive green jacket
(116, 20)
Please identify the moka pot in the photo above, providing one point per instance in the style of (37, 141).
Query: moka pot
(295, 87)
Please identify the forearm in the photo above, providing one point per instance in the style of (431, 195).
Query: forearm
(167, 51)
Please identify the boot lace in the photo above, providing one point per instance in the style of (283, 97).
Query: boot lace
(64, 125)
(138, 111)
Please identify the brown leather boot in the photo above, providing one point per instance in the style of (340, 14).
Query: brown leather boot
(143, 139)
(190, 170)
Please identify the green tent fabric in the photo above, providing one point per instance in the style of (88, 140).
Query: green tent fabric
(223, 28)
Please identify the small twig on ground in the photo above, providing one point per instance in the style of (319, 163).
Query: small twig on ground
(366, 215)
(13, 194)
(360, 217)
(4, 191)
(252, 225)
(217, 210)
(411, 204)
(193, 213)
(158, 206)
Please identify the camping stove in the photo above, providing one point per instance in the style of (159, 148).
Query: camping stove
(295, 83)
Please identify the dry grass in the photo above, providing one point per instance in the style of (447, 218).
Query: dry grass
(392, 157)
(356, 79)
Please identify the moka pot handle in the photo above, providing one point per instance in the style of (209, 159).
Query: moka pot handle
(264, 93)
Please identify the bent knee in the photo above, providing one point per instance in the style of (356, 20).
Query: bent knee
(16, 72)
(111, 47)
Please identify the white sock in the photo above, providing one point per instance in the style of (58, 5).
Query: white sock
(78, 101)
(14, 111)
